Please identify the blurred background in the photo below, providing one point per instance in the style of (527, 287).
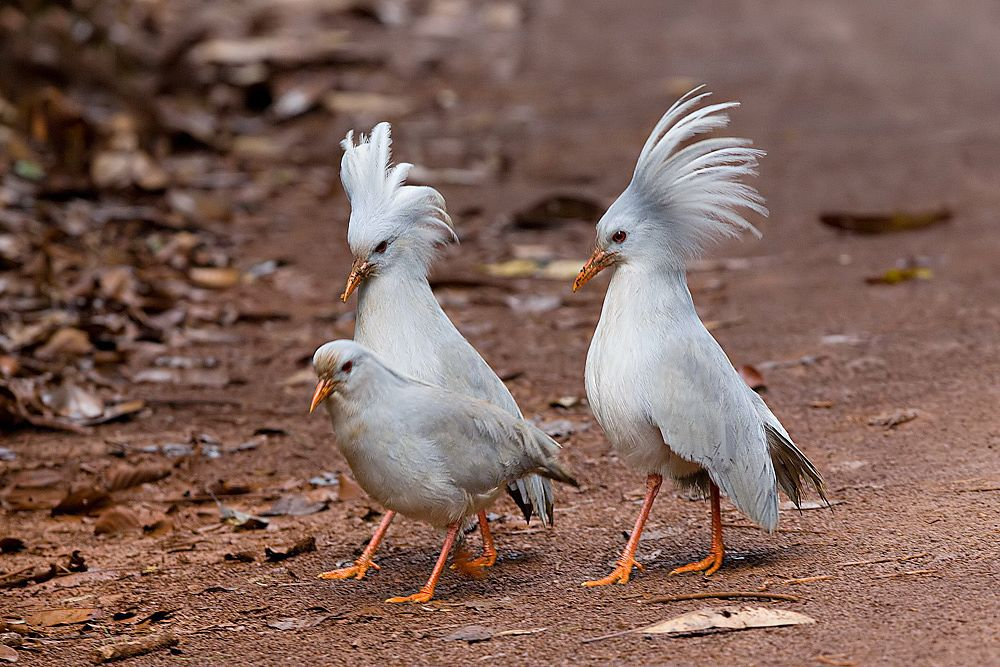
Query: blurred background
(172, 245)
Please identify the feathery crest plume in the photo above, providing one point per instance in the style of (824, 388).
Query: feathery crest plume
(381, 205)
(695, 190)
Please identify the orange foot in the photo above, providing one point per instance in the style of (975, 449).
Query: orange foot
(708, 565)
(356, 571)
(421, 596)
(474, 567)
(619, 575)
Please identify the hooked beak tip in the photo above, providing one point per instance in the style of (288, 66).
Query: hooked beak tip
(598, 261)
(323, 389)
(359, 271)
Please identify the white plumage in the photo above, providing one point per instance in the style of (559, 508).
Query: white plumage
(427, 452)
(394, 233)
(660, 385)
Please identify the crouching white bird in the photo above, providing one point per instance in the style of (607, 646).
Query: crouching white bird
(660, 385)
(394, 233)
(421, 450)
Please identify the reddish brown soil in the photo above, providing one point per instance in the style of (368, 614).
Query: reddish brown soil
(860, 107)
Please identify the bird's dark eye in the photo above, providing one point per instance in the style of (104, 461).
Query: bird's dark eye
(382, 247)
(619, 236)
(346, 368)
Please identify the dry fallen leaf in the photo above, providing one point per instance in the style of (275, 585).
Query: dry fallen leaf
(240, 520)
(214, 277)
(898, 275)
(7, 654)
(726, 618)
(558, 209)
(65, 342)
(753, 377)
(125, 477)
(470, 633)
(892, 419)
(116, 521)
(48, 618)
(303, 546)
(880, 223)
(82, 500)
(347, 488)
(294, 504)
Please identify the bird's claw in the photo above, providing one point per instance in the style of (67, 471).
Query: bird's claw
(421, 597)
(619, 575)
(356, 571)
(709, 565)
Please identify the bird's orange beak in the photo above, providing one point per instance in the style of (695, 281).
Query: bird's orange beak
(323, 389)
(599, 260)
(359, 271)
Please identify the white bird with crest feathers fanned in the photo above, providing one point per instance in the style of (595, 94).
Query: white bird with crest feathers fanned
(394, 233)
(660, 385)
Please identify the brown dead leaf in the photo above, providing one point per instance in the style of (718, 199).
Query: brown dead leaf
(215, 277)
(305, 545)
(11, 545)
(470, 633)
(82, 500)
(7, 654)
(293, 504)
(892, 419)
(65, 342)
(48, 618)
(125, 477)
(73, 401)
(753, 378)
(726, 618)
(559, 209)
(240, 520)
(348, 489)
(116, 521)
(880, 223)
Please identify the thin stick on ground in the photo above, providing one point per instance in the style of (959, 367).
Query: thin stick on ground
(724, 594)
(900, 559)
(132, 648)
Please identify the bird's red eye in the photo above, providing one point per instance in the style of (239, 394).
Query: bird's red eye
(619, 236)
(346, 368)
(382, 247)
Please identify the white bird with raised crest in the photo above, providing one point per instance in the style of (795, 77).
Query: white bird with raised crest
(422, 450)
(666, 394)
(394, 233)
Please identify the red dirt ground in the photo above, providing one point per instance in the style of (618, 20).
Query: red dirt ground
(861, 106)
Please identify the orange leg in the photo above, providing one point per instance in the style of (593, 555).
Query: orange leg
(427, 592)
(474, 567)
(361, 565)
(621, 573)
(714, 560)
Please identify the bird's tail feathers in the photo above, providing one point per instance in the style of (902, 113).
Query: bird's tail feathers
(791, 467)
(694, 190)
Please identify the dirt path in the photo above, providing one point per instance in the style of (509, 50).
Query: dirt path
(860, 107)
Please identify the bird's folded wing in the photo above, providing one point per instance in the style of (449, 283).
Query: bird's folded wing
(706, 415)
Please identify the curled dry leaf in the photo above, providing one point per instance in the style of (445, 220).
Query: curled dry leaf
(241, 520)
(82, 500)
(347, 488)
(880, 223)
(305, 545)
(753, 377)
(117, 521)
(240, 557)
(65, 342)
(726, 618)
(892, 419)
(294, 504)
(11, 545)
(897, 275)
(121, 478)
(558, 209)
(214, 277)
(8, 654)
(48, 618)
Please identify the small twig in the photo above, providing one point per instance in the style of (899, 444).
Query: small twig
(130, 649)
(724, 594)
(835, 660)
(978, 489)
(900, 559)
(904, 574)
(807, 580)
(609, 636)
